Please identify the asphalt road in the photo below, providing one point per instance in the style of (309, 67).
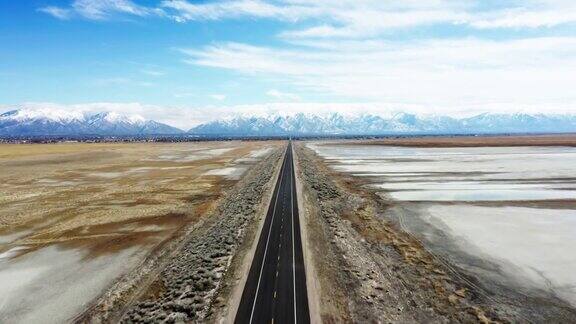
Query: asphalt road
(275, 291)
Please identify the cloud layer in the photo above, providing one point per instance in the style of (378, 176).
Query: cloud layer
(443, 72)
(341, 18)
(448, 55)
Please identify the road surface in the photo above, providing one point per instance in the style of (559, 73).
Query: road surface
(275, 291)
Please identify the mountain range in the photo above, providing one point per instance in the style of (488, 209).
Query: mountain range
(31, 122)
(399, 123)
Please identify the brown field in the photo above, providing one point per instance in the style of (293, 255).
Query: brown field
(90, 194)
(101, 208)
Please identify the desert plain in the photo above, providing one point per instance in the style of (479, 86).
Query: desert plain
(419, 229)
(75, 217)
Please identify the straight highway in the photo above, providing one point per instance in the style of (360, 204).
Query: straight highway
(275, 290)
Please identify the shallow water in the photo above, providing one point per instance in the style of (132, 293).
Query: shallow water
(473, 174)
(540, 242)
(534, 246)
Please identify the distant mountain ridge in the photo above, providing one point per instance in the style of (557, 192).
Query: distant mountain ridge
(399, 123)
(45, 121)
(37, 122)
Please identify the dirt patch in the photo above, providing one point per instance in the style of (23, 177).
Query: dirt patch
(113, 237)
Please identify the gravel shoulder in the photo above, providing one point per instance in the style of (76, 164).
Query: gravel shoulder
(370, 270)
(306, 221)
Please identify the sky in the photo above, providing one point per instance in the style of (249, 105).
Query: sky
(184, 62)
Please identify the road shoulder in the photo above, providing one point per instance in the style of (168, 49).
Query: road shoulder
(311, 283)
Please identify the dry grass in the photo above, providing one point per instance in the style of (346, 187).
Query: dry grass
(107, 197)
(21, 150)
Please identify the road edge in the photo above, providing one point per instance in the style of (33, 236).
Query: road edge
(311, 282)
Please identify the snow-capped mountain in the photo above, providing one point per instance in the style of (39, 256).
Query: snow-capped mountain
(399, 123)
(26, 122)
(47, 121)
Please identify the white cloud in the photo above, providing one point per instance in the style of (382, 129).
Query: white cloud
(279, 95)
(182, 10)
(121, 81)
(361, 23)
(218, 97)
(370, 18)
(519, 18)
(335, 18)
(101, 9)
(444, 72)
(348, 49)
(344, 19)
(57, 12)
(153, 72)
(342, 51)
(185, 95)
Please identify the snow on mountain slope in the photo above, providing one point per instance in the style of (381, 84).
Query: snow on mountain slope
(45, 121)
(55, 115)
(399, 123)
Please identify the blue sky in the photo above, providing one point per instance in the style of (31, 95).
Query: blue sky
(186, 61)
